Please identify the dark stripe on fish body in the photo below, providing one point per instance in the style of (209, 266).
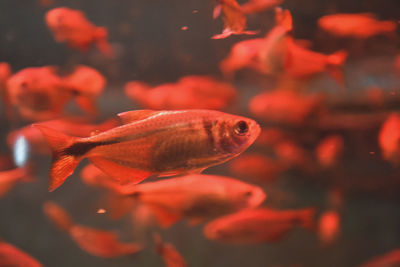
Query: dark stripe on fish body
(80, 149)
(224, 140)
(208, 125)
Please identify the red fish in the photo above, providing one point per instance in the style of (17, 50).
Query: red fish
(200, 92)
(390, 259)
(97, 242)
(11, 256)
(389, 138)
(72, 27)
(362, 25)
(329, 150)
(257, 6)
(329, 227)
(88, 83)
(285, 106)
(257, 226)
(5, 74)
(235, 21)
(293, 155)
(153, 143)
(195, 197)
(39, 93)
(169, 254)
(261, 54)
(9, 178)
(71, 126)
(257, 167)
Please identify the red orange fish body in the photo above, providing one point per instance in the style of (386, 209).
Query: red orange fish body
(234, 19)
(389, 138)
(154, 143)
(11, 256)
(285, 106)
(72, 27)
(169, 254)
(389, 259)
(257, 226)
(195, 197)
(194, 92)
(329, 227)
(100, 243)
(329, 150)
(257, 6)
(362, 25)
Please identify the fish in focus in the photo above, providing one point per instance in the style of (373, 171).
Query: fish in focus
(152, 142)
(72, 27)
(40, 94)
(257, 225)
(389, 259)
(100, 243)
(362, 25)
(329, 150)
(257, 6)
(235, 21)
(9, 178)
(257, 167)
(190, 92)
(329, 227)
(75, 126)
(195, 197)
(169, 254)
(285, 106)
(11, 256)
(88, 84)
(389, 138)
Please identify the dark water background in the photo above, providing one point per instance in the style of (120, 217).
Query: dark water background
(152, 48)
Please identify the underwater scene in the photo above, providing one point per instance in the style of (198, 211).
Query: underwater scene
(220, 133)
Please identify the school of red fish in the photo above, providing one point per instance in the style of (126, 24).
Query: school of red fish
(148, 162)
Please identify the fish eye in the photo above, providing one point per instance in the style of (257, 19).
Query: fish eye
(241, 128)
(248, 194)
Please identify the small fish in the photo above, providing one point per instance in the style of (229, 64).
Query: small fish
(329, 150)
(389, 259)
(88, 83)
(361, 25)
(190, 92)
(285, 106)
(294, 155)
(8, 178)
(389, 138)
(5, 74)
(153, 143)
(72, 126)
(11, 256)
(72, 27)
(195, 197)
(96, 242)
(39, 93)
(329, 227)
(257, 6)
(257, 167)
(257, 225)
(234, 19)
(169, 254)
(261, 54)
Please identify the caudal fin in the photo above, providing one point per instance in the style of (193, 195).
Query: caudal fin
(63, 164)
(338, 58)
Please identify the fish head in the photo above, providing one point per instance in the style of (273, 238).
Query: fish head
(247, 195)
(234, 134)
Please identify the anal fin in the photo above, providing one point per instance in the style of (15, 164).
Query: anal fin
(122, 174)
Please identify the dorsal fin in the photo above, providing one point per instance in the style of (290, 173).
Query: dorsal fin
(136, 115)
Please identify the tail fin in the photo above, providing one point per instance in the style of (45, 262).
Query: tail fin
(306, 218)
(57, 215)
(283, 18)
(101, 36)
(338, 58)
(63, 164)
